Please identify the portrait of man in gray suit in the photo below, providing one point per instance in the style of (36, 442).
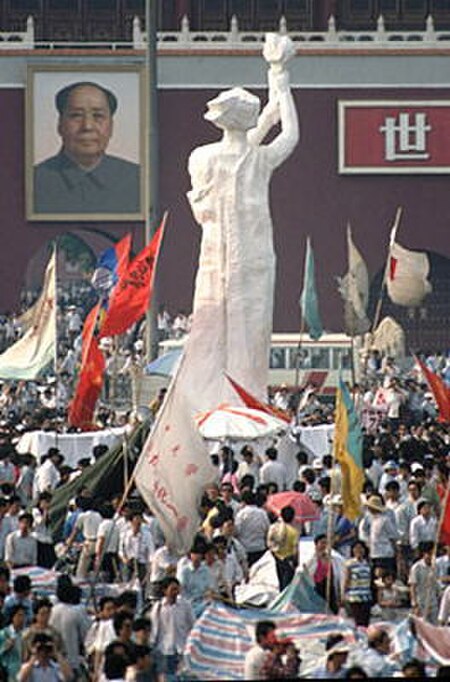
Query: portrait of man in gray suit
(82, 178)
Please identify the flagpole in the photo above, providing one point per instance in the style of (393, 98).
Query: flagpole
(55, 359)
(151, 189)
(376, 317)
(298, 358)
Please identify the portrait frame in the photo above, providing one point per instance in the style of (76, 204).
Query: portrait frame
(43, 142)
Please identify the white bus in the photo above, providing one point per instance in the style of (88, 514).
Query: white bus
(319, 361)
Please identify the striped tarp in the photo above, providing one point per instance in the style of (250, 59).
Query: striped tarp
(222, 636)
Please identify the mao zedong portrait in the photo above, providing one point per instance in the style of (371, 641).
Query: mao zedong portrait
(82, 177)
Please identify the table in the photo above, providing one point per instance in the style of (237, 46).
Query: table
(74, 446)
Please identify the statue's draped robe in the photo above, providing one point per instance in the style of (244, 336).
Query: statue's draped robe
(233, 303)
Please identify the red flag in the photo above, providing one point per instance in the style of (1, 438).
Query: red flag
(445, 527)
(250, 401)
(131, 296)
(90, 380)
(440, 391)
(122, 250)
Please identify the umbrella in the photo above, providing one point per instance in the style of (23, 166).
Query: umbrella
(238, 423)
(166, 364)
(305, 509)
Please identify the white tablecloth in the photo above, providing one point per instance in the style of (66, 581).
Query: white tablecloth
(74, 446)
(316, 440)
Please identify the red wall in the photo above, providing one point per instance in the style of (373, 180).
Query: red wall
(308, 197)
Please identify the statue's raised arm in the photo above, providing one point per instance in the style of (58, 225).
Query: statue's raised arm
(278, 50)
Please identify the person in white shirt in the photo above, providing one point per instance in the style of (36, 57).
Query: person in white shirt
(172, 619)
(42, 532)
(47, 475)
(390, 474)
(136, 548)
(256, 657)
(164, 563)
(88, 523)
(21, 546)
(107, 545)
(273, 471)
(251, 526)
(423, 527)
(281, 398)
(394, 400)
(250, 464)
(101, 632)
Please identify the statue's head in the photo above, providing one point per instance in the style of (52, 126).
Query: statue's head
(234, 109)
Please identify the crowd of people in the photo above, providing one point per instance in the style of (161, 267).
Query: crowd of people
(390, 562)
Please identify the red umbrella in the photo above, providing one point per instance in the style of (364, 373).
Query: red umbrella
(305, 509)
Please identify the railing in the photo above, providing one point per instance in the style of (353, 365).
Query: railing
(18, 39)
(235, 40)
(332, 38)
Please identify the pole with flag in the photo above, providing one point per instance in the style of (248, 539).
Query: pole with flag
(174, 466)
(440, 391)
(309, 302)
(309, 305)
(407, 279)
(347, 451)
(130, 298)
(354, 289)
(26, 358)
(376, 317)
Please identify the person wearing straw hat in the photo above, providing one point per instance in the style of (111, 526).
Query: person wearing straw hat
(379, 530)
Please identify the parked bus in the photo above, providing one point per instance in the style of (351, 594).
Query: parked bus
(319, 362)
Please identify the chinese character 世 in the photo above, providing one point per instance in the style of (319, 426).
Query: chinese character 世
(405, 138)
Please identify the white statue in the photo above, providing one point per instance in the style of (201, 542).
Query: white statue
(233, 301)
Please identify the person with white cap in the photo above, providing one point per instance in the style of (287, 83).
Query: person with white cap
(343, 530)
(333, 666)
(389, 474)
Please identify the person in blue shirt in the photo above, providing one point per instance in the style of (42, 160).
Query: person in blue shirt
(195, 577)
(20, 597)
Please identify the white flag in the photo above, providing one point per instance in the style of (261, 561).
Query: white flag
(36, 348)
(174, 467)
(354, 289)
(407, 276)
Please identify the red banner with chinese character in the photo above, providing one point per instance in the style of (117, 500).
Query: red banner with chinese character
(394, 137)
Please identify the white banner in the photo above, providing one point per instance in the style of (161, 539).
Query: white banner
(174, 467)
(407, 282)
(26, 358)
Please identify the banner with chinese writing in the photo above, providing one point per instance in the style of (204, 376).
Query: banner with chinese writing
(394, 137)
